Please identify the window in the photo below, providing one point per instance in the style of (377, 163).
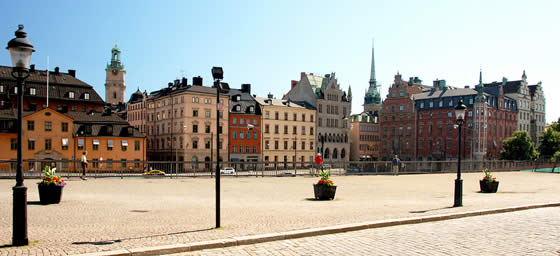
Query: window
(195, 128)
(285, 144)
(401, 108)
(303, 130)
(241, 135)
(86, 96)
(310, 130)
(195, 99)
(195, 113)
(136, 145)
(124, 145)
(255, 135)
(266, 128)
(294, 130)
(449, 114)
(80, 144)
(276, 129)
(207, 114)
(64, 127)
(266, 144)
(276, 144)
(195, 144)
(48, 144)
(421, 104)
(48, 126)
(311, 118)
(207, 129)
(95, 143)
(30, 144)
(234, 120)
(303, 117)
(234, 149)
(241, 121)
(30, 125)
(254, 149)
(123, 163)
(276, 115)
(247, 149)
(32, 91)
(109, 163)
(285, 129)
(71, 95)
(234, 134)
(136, 163)
(110, 145)
(13, 144)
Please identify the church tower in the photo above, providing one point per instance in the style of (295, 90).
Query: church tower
(114, 81)
(372, 100)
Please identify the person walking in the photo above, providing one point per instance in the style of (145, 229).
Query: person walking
(396, 163)
(84, 165)
(318, 163)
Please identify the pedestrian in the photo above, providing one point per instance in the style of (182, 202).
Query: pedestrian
(100, 162)
(318, 163)
(84, 165)
(396, 163)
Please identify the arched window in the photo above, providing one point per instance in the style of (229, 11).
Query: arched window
(335, 153)
(326, 156)
(343, 154)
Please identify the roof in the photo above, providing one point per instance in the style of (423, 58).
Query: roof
(278, 103)
(95, 117)
(509, 86)
(98, 130)
(60, 84)
(245, 101)
(448, 92)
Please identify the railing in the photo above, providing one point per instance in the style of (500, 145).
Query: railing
(66, 168)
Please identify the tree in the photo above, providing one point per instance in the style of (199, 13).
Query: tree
(518, 147)
(550, 140)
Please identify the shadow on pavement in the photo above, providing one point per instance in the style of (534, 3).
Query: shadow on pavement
(34, 203)
(424, 211)
(140, 237)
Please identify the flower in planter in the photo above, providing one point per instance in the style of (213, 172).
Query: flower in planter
(50, 179)
(325, 178)
(488, 176)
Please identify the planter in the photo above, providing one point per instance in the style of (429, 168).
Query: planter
(324, 192)
(489, 186)
(50, 194)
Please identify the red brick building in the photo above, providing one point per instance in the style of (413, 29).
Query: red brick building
(490, 118)
(398, 119)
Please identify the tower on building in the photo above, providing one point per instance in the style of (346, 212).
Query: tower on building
(372, 99)
(114, 82)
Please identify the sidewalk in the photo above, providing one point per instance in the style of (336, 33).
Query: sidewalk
(113, 214)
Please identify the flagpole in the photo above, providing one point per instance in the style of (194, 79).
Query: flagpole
(47, 81)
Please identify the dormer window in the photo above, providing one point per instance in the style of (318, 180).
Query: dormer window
(1, 89)
(86, 96)
(237, 108)
(251, 109)
(71, 95)
(32, 91)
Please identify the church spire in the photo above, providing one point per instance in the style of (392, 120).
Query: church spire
(372, 72)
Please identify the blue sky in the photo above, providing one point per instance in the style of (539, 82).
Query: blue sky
(268, 43)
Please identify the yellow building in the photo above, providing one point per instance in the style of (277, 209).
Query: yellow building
(288, 132)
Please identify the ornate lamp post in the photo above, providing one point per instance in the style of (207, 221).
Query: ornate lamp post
(20, 51)
(460, 114)
(218, 74)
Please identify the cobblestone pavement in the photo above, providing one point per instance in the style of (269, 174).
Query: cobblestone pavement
(113, 213)
(530, 232)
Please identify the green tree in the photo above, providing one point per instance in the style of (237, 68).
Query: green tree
(550, 140)
(518, 147)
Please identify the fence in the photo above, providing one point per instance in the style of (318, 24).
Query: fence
(68, 168)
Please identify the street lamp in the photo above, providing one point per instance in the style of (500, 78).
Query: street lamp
(20, 51)
(218, 74)
(460, 114)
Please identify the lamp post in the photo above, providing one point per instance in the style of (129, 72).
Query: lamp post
(460, 114)
(20, 52)
(218, 74)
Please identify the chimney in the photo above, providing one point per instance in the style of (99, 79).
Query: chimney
(169, 85)
(176, 82)
(184, 82)
(197, 81)
(246, 88)
(32, 68)
(57, 70)
(294, 82)
(302, 74)
(270, 95)
(467, 87)
(72, 72)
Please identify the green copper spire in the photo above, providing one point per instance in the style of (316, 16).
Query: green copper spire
(372, 94)
(115, 59)
(349, 91)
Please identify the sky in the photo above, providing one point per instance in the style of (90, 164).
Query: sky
(269, 43)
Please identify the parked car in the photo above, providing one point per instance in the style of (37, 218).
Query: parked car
(227, 170)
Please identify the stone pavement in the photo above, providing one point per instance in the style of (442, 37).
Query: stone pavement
(112, 213)
(529, 232)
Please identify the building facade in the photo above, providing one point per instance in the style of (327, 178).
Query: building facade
(181, 124)
(333, 107)
(288, 133)
(244, 126)
(115, 79)
(136, 110)
(530, 102)
(398, 119)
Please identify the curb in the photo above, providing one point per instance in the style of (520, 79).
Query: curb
(253, 239)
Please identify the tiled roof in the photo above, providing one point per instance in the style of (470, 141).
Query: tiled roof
(59, 85)
(277, 102)
(449, 92)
